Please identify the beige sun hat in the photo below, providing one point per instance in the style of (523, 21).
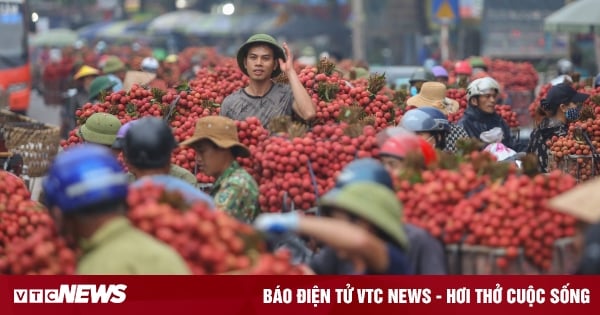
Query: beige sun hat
(222, 131)
(582, 202)
(434, 94)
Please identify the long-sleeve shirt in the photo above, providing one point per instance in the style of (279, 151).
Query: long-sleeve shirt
(236, 192)
(118, 248)
(475, 122)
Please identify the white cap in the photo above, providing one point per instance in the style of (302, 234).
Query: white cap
(149, 64)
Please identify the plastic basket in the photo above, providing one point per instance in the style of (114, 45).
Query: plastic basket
(582, 167)
(520, 104)
(481, 260)
(565, 256)
(36, 142)
(515, 133)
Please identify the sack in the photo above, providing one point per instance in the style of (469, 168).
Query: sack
(495, 147)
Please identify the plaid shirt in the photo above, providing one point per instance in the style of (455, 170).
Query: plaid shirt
(456, 132)
(236, 192)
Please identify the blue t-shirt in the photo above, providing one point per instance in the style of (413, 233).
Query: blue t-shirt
(398, 262)
(327, 262)
(118, 83)
(190, 193)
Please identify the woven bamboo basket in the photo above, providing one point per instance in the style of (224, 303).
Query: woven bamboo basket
(36, 142)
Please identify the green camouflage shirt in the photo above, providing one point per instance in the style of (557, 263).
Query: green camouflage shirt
(118, 248)
(176, 171)
(236, 192)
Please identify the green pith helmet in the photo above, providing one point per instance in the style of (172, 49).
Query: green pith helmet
(374, 203)
(477, 62)
(421, 75)
(100, 84)
(113, 64)
(100, 128)
(159, 53)
(264, 39)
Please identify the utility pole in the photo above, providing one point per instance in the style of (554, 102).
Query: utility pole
(358, 30)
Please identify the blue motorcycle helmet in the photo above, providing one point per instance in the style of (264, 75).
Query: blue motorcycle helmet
(82, 177)
(427, 120)
(362, 170)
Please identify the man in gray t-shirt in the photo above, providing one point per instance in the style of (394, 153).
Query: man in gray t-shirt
(261, 58)
(276, 103)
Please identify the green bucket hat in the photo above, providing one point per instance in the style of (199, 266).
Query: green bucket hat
(374, 203)
(477, 62)
(159, 53)
(100, 84)
(113, 64)
(100, 128)
(262, 39)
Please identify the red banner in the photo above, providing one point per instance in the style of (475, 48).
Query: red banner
(299, 295)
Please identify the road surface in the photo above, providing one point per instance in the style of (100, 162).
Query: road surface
(40, 112)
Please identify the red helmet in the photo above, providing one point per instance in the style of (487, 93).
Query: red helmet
(400, 145)
(463, 67)
(429, 153)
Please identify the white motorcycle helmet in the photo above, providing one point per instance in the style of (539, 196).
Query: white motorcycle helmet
(149, 64)
(481, 87)
(564, 66)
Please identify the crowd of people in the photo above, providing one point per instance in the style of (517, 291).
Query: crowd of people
(359, 228)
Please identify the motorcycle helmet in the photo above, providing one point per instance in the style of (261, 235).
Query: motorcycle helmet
(439, 72)
(82, 177)
(149, 143)
(150, 64)
(362, 170)
(421, 75)
(425, 119)
(564, 66)
(463, 67)
(482, 86)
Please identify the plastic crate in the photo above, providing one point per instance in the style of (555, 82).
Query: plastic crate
(565, 256)
(515, 133)
(481, 260)
(582, 167)
(520, 101)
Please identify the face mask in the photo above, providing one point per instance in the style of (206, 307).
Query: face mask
(572, 114)
(413, 91)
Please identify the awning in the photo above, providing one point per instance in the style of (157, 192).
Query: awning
(232, 25)
(58, 37)
(582, 16)
(306, 27)
(89, 32)
(174, 21)
(122, 29)
(113, 29)
(196, 23)
(210, 24)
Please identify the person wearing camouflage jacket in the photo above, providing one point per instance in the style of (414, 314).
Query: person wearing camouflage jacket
(236, 192)
(217, 146)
